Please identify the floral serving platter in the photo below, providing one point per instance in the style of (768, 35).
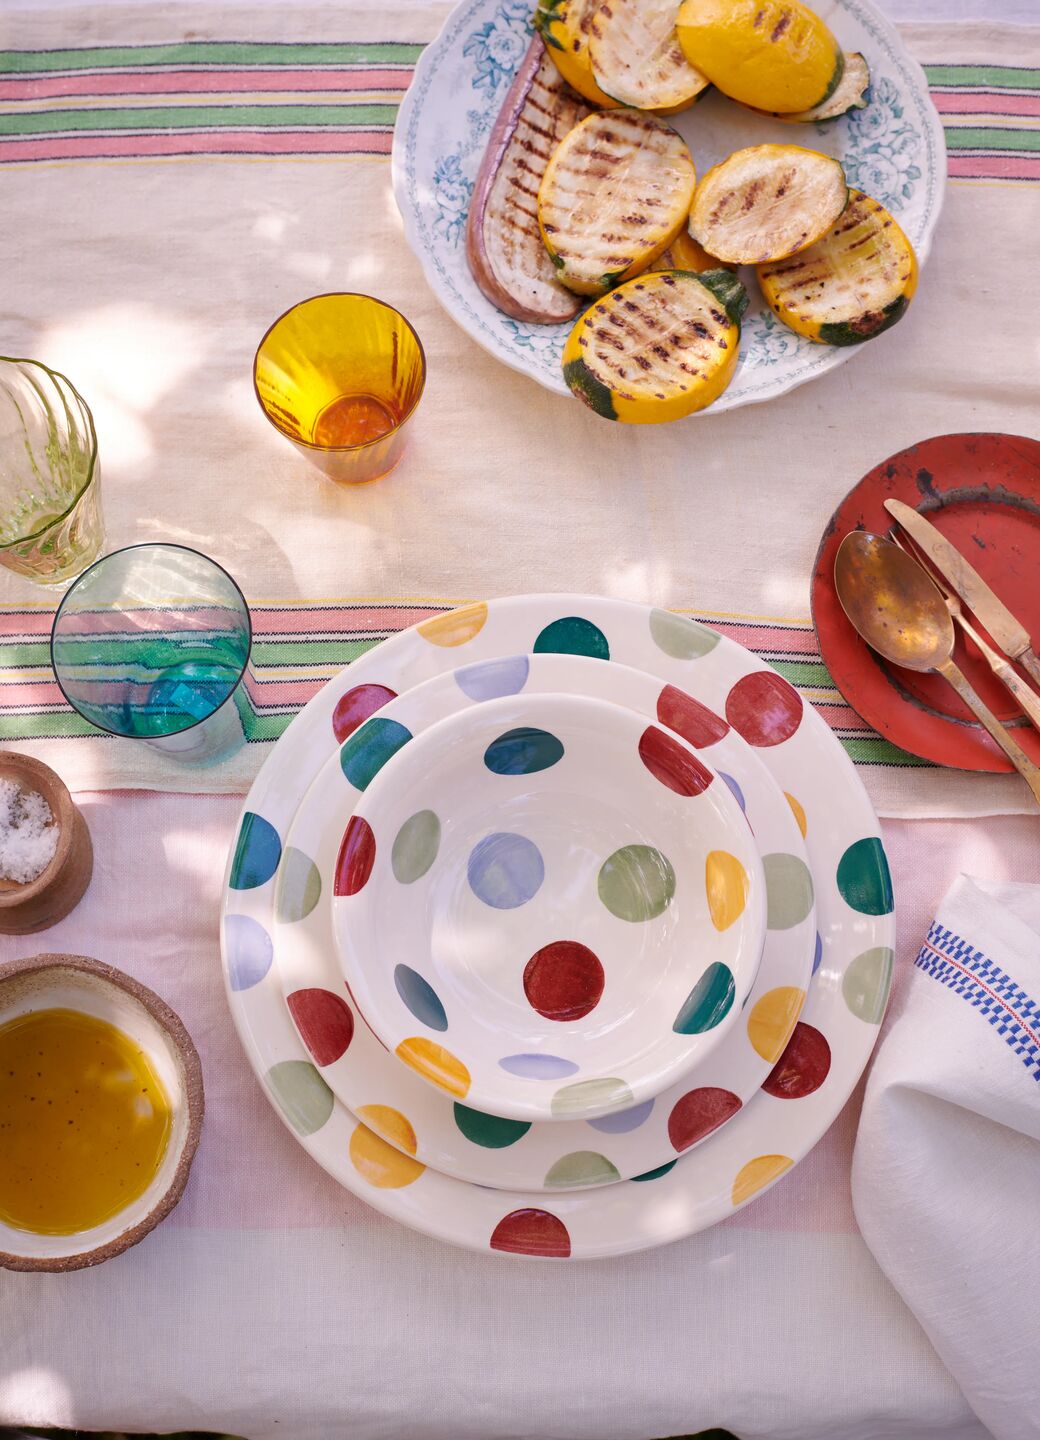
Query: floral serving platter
(810, 1081)
(894, 149)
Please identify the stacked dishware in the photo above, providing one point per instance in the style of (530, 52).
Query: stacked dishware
(559, 926)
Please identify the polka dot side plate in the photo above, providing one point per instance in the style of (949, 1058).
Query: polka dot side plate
(325, 852)
(831, 1042)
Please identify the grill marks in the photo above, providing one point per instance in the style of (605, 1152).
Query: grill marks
(767, 202)
(512, 238)
(636, 57)
(615, 193)
(657, 341)
(859, 276)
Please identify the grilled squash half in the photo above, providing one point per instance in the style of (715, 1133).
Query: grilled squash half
(852, 94)
(615, 193)
(658, 348)
(564, 26)
(767, 202)
(770, 54)
(851, 285)
(637, 58)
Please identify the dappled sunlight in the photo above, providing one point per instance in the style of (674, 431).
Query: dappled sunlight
(185, 856)
(309, 265)
(36, 1394)
(786, 595)
(644, 580)
(125, 359)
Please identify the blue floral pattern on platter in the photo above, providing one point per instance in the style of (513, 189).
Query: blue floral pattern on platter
(893, 149)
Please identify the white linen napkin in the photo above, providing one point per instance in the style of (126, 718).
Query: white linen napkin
(946, 1171)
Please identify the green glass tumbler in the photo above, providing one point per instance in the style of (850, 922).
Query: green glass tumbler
(50, 506)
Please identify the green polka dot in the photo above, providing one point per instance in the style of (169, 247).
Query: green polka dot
(583, 1167)
(299, 887)
(708, 1003)
(656, 1174)
(681, 638)
(866, 982)
(863, 878)
(573, 636)
(636, 883)
(302, 1095)
(789, 891)
(415, 847)
(493, 1132)
(602, 1094)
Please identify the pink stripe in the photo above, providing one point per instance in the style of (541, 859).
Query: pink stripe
(801, 641)
(282, 694)
(200, 82)
(995, 167)
(957, 102)
(236, 142)
(269, 620)
(842, 717)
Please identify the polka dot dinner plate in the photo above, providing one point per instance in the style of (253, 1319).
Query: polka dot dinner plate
(326, 850)
(831, 1042)
(495, 852)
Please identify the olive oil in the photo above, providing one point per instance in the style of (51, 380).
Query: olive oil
(84, 1121)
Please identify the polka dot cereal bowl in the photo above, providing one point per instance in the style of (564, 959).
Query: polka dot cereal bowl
(548, 907)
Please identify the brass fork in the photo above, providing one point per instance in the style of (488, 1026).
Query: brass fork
(1025, 697)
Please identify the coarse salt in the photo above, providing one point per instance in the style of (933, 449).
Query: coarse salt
(28, 833)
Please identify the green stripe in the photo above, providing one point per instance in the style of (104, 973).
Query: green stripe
(44, 727)
(806, 674)
(206, 52)
(988, 77)
(309, 652)
(974, 137)
(875, 751)
(192, 117)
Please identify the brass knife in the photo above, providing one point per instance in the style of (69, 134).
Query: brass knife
(1009, 633)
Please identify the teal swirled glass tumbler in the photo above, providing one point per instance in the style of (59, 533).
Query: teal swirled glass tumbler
(152, 643)
(50, 507)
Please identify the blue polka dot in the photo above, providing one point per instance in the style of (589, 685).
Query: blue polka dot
(420, 997)
(523, 752)
(505, 870)
(364, 754)
(819, 953)
(249, 951)
(490, 679)
(573, 635)
(624, 1120)
(257, 853)
(738, 794)
(539, 1067)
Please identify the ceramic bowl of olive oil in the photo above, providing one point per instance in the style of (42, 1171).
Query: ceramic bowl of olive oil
(101, 1105)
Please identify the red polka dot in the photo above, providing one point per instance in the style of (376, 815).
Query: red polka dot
(325, 1022)
(532, 1232)
(673, 765)
(697, 725)
(564, 980)
(763, 708)
(802, 1068)
(354, 708)
(698, 1113)
(357, 855)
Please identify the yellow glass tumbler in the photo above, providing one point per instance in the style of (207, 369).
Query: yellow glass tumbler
(340, 376)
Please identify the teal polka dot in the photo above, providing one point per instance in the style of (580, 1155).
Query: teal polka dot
(863, 878)
(302, 1095)
(523, 752)
(656, 1174)
(420, 997)
(708, 1003)
(573, 636)
(364, 754)
(681, 638)
(493, 1132)
(257, 853)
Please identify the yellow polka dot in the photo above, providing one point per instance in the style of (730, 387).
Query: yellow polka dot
(758, 1173)
(727, 885)
(456, 627)
(435, 1064)
(379, 1163)
(772, 1018)
(798, 812)
(391, 1124)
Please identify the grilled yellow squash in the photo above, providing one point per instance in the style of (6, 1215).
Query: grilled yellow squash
(851, 285)
(770, 54)
(852, 94)
(564, 26)
(657, 348)
(685, 254)
(767, 202)
(615, 193)
(636, 56)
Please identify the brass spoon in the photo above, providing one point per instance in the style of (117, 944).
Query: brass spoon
(900, 613)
